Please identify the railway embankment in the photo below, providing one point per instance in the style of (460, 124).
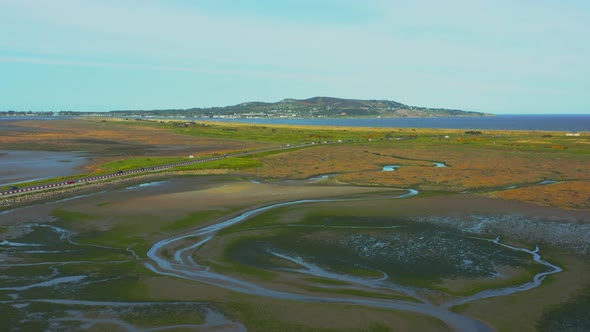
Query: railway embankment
(55, 194)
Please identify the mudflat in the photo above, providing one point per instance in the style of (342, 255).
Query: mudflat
(19, 166)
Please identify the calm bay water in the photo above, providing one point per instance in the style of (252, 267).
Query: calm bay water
(545, 122)
(552, 122)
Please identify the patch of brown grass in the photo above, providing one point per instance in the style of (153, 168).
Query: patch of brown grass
(470, 168)
(496, 161)
(572, 195)
(66, 134)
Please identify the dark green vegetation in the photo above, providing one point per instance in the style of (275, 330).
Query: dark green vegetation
(135, 163)
(312, 107)
(266, 320)
(569, 316)
(89, 265)
(409, 253)
(40, 316)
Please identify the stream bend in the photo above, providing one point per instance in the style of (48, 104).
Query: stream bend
(174, 257)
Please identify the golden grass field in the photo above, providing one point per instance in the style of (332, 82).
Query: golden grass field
(488, 164)
(470, 168)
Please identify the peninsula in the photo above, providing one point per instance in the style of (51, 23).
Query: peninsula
(315, 107)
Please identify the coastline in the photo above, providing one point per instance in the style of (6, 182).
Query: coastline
(518, 122)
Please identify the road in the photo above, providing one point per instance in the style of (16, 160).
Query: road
(139, 170)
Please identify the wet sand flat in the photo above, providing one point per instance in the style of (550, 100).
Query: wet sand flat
(18, 165)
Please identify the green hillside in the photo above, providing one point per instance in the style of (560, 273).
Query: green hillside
(309, 108)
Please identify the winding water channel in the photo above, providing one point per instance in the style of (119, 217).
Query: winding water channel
(182, 264)
(99, 313)
(175, 256)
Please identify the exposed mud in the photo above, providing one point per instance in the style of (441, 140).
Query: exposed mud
(182, 265)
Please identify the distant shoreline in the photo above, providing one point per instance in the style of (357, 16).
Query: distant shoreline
(525, 122)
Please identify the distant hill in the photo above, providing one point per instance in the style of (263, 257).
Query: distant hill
(309, 108)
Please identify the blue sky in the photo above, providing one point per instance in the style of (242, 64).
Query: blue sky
(502, 56)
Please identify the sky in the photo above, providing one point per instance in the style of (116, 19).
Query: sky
(500, 56)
